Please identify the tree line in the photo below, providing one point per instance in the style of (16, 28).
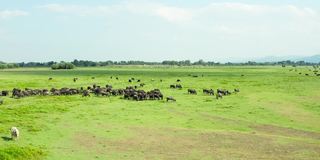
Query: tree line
(8, 65)
(86, 63)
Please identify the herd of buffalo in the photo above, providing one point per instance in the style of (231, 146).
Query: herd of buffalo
(128, 93)
(314, 71)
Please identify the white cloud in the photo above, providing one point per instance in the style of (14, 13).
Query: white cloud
(166, 12)
(173, 14)
(63, 8)
(181, 14)
(303, 12)
(229, 7)
(258, 9)
(80, 10)
(12, 13)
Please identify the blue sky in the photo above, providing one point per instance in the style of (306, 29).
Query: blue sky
(213, 30)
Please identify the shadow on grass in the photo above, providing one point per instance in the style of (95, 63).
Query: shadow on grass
(6, 138)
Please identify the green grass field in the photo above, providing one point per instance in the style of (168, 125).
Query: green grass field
(276, 115)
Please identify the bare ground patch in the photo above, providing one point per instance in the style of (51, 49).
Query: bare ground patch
(168, 143)
(176, 112)
(295, 113)
(225, 120)
(288, 132)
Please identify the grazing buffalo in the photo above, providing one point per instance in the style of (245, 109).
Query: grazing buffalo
(129, 80)
(4, 93)
(236, 90)
(219, 95)
(178, 80)
(50, 79)
(117, 78)
(56, 93)
(223, 92)
(170, 99)
(75, 79)
(17, 93)
(138, 80)
(44, 92)
(85, 93)
(192, 91)
(208, 91)
(142, 84)
(139, 95)
(178, 86)
(105, 93)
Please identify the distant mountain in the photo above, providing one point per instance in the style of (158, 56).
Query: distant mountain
(311, 59)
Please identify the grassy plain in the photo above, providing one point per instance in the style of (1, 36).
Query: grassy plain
(276, 115)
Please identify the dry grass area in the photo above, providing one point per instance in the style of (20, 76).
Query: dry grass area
(267, 142)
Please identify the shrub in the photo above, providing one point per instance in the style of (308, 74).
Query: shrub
(8, 65)
(13, 152)
(62, 65)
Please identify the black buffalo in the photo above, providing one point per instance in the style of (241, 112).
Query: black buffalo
(178, 86)
(85, 93)
(192, 91)
(4, 93)
(208, 91)
(219, 95)
(170, 99)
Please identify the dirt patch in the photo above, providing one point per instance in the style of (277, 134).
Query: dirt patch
(225, 120)
(168, 143)
(176, 112)
(287, 132)
(86, 140)
(294, 112)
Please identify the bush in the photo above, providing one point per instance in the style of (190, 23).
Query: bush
(3, 66)
(14, 152)
(8, 65)
(62, 65)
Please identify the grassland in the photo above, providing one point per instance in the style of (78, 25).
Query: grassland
(276, 115)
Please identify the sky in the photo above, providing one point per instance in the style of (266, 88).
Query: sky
(157, 30)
